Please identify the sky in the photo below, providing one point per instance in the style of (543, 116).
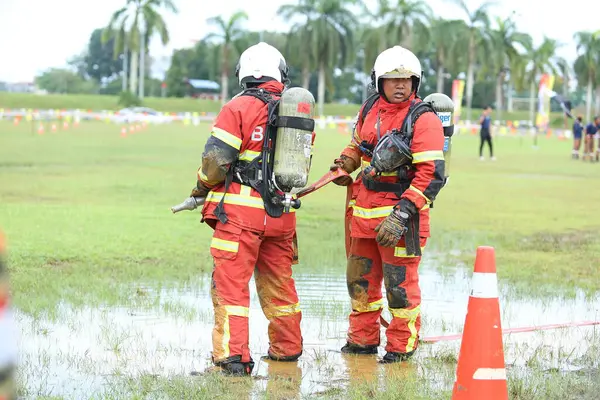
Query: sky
(39, 34)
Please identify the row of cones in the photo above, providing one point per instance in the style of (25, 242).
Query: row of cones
(133, 128)
(54, 127)
(481, 372)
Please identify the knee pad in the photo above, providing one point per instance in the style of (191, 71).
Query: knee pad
(393, 277)
(357, 268)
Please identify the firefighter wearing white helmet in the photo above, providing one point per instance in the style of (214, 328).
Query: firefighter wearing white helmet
(254, 230)
(398, 144)
(259, 64)
(396, 62)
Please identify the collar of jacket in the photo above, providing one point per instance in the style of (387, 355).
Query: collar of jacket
(384, 106)
(272, 86)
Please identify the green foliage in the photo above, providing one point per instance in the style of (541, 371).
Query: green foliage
(58, 80)
(100, 61)
(128, 99)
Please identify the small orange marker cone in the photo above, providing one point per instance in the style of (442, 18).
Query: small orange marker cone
(481, 373)
(123, 132)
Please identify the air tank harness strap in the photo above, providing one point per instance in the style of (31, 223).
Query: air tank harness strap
(304, 124)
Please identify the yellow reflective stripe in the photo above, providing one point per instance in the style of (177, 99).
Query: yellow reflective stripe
(248, 155)
(411, 316)
(281, 311)
(425, 156)
(369, 213)
(244, 199)
(246, 191)
(361, 306)
(238, 311)
(227, 137)
(202, 176)
(226, 336)
(401, 252)
(225, 245)
(351, 203)
(236, 199)
(414, 189)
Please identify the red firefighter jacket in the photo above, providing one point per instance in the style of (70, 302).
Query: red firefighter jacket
(371, 207)
(238, 134)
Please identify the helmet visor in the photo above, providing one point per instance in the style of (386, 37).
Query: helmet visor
(399, 73)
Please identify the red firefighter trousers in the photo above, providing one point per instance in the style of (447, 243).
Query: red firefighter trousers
(368, 265)
(237, 255)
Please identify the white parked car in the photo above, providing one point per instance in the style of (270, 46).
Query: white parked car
(140, 114)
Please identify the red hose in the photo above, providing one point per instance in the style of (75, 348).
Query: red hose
(434, 339)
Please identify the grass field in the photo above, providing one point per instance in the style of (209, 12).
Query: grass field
(171, 104)
(112, 289)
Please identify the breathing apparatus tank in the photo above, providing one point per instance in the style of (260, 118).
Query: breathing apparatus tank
(293, 144)
(444, 107)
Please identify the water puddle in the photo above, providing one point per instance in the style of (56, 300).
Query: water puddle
(83, 351)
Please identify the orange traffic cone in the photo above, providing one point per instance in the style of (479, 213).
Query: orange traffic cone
(480, 373)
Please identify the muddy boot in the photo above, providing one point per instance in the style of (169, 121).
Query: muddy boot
(351, 348)
(235, 367)
(392, 357)
(273, 357)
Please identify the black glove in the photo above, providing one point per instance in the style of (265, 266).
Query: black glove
(347, 164)
(391, 229)
(200, 190)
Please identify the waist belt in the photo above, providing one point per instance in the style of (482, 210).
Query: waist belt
(376, 186)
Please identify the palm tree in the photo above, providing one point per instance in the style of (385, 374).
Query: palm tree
(299, 52)
(565, 69)
(403, 19)
(374, 33)
(478, 25)
(505, 40)
(540, 61)
(331, 25)
(134, 35)
(230, 32)
(586, 65)
(446, 37)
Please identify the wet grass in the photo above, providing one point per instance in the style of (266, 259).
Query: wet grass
(87, 218)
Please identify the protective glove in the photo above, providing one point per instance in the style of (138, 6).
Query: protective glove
(347, 164)
(200, 190)
(390, 230)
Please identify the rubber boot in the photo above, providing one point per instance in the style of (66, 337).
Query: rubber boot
(234, 366)
(351, 348)
(392, 357)
(273, 357)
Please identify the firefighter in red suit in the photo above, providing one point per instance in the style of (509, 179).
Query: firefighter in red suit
(389, 216)
(246, 239)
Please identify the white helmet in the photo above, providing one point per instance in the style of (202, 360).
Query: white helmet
(396, 62)
(261, 63)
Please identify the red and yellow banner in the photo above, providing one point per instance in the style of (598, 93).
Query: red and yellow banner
(458, 87)
(544, 94)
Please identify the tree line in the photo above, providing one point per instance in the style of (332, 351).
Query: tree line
(331, 46)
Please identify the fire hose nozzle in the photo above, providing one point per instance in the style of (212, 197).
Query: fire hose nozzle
(191, 203)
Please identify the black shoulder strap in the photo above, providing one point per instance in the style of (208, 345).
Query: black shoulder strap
(414, 112)
(260, 94)
(368, 104)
